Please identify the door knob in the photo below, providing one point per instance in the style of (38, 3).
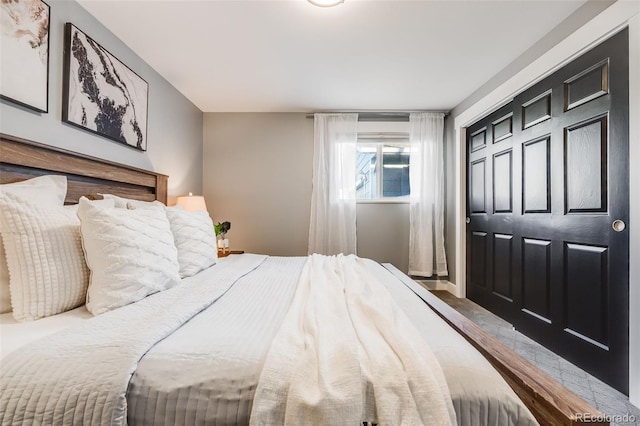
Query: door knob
(618, 225)
(468, 220)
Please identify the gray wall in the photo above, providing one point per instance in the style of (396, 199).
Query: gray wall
(174, 141)
(257, 175)
(450, 198)
(383, 233)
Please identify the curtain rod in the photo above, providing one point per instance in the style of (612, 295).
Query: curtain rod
(381, 116)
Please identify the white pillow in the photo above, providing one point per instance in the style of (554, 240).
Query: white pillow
(195, 240)
(44, 254)
(42, 190)
(130, 203)
(130, 253)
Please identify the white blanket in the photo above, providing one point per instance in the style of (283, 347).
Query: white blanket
(346, 354)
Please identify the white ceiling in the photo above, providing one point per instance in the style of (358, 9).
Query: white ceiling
(288, 55)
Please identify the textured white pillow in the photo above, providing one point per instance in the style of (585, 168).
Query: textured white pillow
(44, 254)
(130, 203)
(49, 190)
(130, 253)
(195, 240)
(42, 190)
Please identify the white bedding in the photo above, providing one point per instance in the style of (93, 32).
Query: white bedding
(219, 374)
(208, 369)
(14, 334)
(80, 375)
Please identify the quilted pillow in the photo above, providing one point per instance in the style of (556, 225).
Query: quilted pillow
(42, 190)
(48, 190)
(124, 203)
(130, 253)
(195, 240)
(44, 256)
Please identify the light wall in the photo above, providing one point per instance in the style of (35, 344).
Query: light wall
(257, 174)
(174, 141)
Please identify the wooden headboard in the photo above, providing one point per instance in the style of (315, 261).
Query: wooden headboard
(21, 159)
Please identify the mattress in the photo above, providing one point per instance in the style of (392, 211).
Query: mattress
(207, 370)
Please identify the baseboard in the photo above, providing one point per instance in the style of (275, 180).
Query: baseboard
(439, 285)
(433, 284)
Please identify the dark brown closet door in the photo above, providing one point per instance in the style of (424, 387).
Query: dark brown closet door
(548, 203)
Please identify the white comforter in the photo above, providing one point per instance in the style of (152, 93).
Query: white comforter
(84, 376)
(198, 350)
(346, 354)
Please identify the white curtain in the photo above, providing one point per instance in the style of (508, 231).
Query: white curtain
(333, 200)
(426, 177)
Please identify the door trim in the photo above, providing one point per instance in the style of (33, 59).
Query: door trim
(619, 15)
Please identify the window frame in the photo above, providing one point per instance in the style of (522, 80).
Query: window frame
(379, 139)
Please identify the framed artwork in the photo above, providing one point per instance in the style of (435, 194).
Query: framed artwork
(101, 94)
(24, 62)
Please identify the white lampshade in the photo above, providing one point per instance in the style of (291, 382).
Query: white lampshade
(192, 202)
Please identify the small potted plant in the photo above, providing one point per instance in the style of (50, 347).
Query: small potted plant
(221, 229)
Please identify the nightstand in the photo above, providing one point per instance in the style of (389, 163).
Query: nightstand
(222, 254)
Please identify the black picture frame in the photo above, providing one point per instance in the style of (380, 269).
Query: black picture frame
(101, 94)
(25, 55)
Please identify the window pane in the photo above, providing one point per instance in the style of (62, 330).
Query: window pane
(366, 172)
(395, 174)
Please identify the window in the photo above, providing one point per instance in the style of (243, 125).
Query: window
(382, 167)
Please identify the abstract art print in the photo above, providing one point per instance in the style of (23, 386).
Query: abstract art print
(24, 62)
(101, 94)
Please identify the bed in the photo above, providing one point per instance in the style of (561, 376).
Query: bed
(205, 369)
